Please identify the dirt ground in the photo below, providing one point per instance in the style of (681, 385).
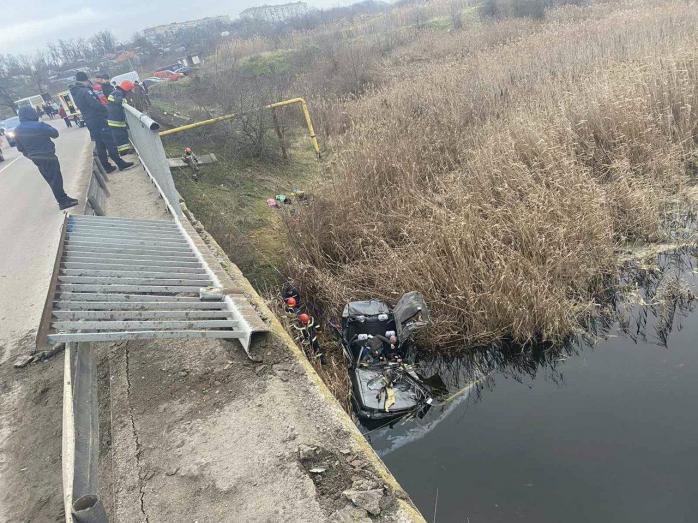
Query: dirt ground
(218, 437)
(31, 401)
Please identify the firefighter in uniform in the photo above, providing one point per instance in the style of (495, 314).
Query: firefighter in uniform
(116, 116)
(307, 336)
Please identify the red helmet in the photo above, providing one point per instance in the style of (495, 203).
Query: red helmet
(304, 318)
(291, 301)
(127, 85)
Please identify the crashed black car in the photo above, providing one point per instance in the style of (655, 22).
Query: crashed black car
(378, 343)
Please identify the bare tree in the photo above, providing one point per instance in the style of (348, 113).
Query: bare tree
(103, 43)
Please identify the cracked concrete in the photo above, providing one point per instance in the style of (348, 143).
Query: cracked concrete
(131, 417)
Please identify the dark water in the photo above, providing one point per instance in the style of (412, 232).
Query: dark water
(604, 433)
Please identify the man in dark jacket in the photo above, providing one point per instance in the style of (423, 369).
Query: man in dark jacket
(34, 141)
(95, 116)
(116, 116)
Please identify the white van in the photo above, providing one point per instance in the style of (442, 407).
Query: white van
(133, 76)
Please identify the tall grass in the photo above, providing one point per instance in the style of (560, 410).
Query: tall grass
(499, 182)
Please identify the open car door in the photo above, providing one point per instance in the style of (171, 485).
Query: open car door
(411, 314)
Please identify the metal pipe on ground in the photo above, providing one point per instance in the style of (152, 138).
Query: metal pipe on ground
(80, 452)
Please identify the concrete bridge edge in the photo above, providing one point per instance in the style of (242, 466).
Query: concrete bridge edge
(232, 271)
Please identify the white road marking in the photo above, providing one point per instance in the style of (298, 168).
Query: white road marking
(9, 164)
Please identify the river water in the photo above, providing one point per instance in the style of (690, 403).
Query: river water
(601, 431)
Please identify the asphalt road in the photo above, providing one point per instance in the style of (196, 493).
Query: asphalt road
(29, 231)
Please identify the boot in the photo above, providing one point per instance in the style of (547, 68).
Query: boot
(67, 204)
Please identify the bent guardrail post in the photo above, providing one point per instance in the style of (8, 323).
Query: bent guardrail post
(80, 446)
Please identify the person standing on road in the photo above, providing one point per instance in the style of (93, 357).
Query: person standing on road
(116, 116)
(34, 140)
(64, 115)
(95, 116)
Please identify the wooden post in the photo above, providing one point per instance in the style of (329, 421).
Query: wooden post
(280, 134)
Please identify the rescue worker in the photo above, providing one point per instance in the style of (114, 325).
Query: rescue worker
(34, 141)
(95, 116)
(142, 91)
(116, 116)
(307, 335)
(138, 97)
(291, 307)
(103, 81)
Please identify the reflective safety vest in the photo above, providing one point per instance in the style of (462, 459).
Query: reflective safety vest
(116, 116)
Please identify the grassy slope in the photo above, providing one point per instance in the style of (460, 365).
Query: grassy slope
(230, 200)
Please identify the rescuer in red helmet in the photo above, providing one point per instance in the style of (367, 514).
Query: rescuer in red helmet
(291, 306)
(116, 116)
(190, 159)
(307, 336)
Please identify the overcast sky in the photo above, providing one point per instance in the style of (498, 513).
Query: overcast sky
(27, 25)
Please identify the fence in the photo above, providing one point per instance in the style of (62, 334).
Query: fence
(145, 138)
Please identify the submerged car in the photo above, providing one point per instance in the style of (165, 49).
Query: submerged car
(378, 342)
(8, 127)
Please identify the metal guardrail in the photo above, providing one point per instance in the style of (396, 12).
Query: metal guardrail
(80, 447)
(97, 191)
(114, 279)
(120, 279)
(145, 138)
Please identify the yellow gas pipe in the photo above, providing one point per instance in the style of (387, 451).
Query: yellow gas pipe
(210, 121)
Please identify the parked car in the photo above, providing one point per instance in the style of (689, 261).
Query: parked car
(171, 67)
(168, 75)
(8, 128)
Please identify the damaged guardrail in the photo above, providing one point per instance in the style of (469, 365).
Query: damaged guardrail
(80, 446)
(145, 137)
(97, 191)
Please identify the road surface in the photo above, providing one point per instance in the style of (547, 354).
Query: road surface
(30, 231)
(29, 401)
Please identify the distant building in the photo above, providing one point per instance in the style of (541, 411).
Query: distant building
(167, 31)
(276, 13)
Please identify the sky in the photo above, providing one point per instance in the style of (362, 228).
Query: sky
(28, 25)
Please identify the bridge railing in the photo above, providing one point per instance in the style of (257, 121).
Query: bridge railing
(145, 137)
(97, 191)
(80, 452)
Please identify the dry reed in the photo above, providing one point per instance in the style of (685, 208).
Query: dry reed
(499, 176)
